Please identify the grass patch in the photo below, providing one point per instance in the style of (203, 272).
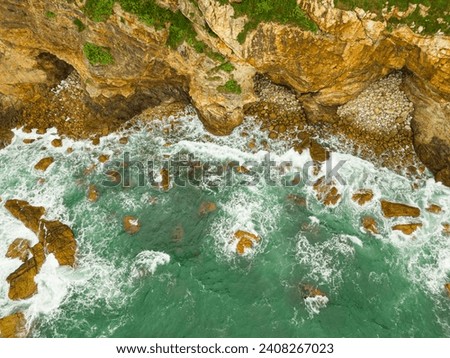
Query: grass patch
(231, 86)
(97, 55)
(98, 10)
(50, 15)
(282, 12)
(227, 67)
(439, 9)
(79, 24)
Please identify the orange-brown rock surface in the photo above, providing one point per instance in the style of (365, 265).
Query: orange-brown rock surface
(44, 163)
(19, 249)
(407, 229)
(370, 224)
(29, 215)
(131, 225)
(246, 240)
(362, 196)
(392, 209)
(13, 326)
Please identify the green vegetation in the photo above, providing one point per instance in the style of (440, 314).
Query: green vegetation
(439, 9)
(283, 12)
(227, 67)
(231, 86)
(98, 10)
(50, 15)
(79, 24)
(97, 55)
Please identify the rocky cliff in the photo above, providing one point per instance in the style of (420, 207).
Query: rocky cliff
(41, 41)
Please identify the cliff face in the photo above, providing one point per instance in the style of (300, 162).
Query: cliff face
(327, 69)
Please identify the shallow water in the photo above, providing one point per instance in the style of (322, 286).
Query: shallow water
(180, 275)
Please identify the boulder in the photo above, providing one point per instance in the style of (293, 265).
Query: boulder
(21, 281)
(27, 214)
(245, 240)
(123, 140)
(103, 158)
(57, 142)
(19, 249)
(93, 194)
(362, 196)
(434, 209)
(165, 182)
(326, 192)
(28, 140)
(131, 225)
(44, 163)
(317, 152)
(13, 326)
(59, 240)
(370, 225)
(392, 210)
(311, 291)
(207, 207)
(407, 229)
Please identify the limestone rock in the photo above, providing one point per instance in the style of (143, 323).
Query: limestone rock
(44, 163)
(327, 193)
(370, 224)
(21, 281)
(27, 214)
(207, 207)
(13, 326)
(245, 240)
(311, 291)
(93, 193)
(317, 152)
(391, 209)
(59, 240)
(407, 229)
(20, 249)
(57, 142)
(362, 196)
(131, 225)
(435, 209)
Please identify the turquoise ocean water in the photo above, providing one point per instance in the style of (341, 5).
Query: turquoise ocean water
(180, 275)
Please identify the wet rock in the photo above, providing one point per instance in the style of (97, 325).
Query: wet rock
(93, 193)
(407, 229)
(362, 196)
(123, 140)
(391, 209)
(327, 193)
(165, 182)
(28, 141)
(57, 143)
(69, 150)
(297, 199)
(241, 169)
(13, 326)
(311, 291)
(103, 158)
(370, 225)
(435, 209)
(207, 207)
(59, 240)
(114, 176)
(447, 289)
(44, 163)
(446, 229)
(246, 240)
(19, 249)
(21, 281)
(96, 141)
(317, 152)
(131, 225)
(29, 215)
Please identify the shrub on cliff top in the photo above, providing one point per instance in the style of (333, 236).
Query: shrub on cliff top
(231, 86)
(98, 10)
(97, 55)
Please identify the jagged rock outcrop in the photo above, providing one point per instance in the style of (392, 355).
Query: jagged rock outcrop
(13, 326)
(326, 69)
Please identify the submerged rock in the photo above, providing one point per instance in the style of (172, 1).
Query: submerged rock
(29, 215)
(165, 182)
(446, 229)
(19, 249)
(131, 225)
(93, 193)
(407, 229)
(370, 225)
(44, 163)
(311, 291)
(362, 196)
(13, 326)
(392, 210)
(57, 142)
(207, 207)
(297, 199)
(103, 158)
(447, 288)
